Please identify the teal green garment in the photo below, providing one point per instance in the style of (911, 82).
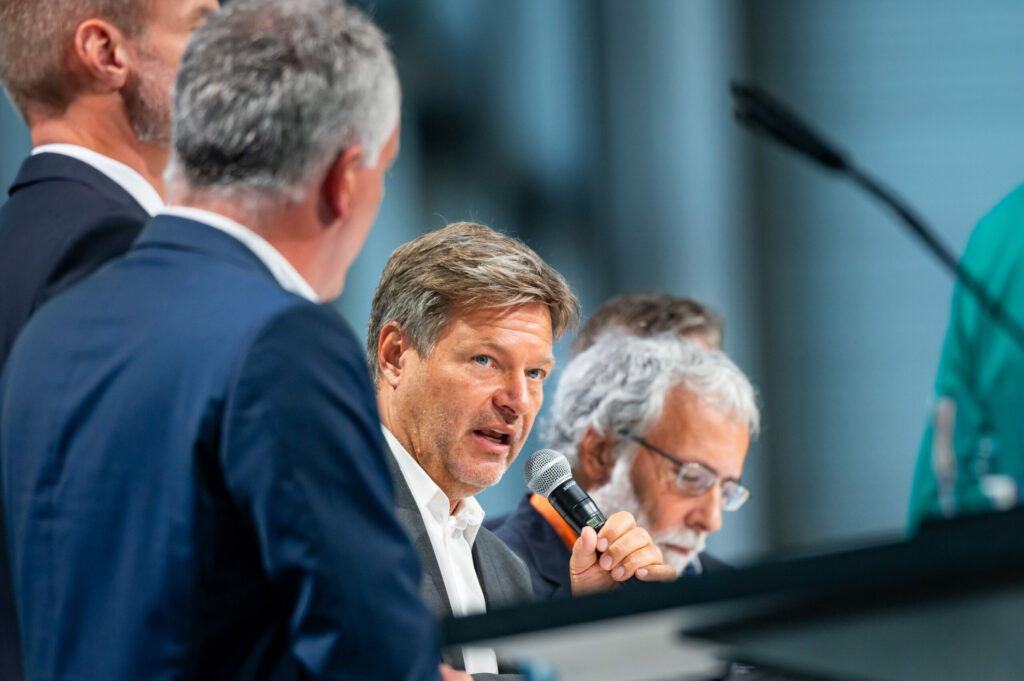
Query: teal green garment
(981, 377)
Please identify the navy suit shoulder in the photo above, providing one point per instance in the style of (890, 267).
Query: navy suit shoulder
(63, 220)
(216, 446)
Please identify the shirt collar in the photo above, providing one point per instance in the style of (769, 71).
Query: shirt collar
(285, 274)
(124, 176)
(468, 516)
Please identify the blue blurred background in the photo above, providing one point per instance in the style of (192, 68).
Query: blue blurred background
(600, 132)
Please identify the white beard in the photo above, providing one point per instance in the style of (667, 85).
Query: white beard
(618, 495)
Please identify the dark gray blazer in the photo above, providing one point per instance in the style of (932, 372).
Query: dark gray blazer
(504, 578)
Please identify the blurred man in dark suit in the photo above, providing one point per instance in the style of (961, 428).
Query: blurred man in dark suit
(92, 79)
(190, 449)
(659, 427)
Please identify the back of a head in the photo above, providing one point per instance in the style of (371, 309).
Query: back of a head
(648, 314)
(35, 41)
(619, 384)
(269, 92)
(463, 266)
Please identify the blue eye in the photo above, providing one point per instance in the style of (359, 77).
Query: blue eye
(536, 374)
(482, 360)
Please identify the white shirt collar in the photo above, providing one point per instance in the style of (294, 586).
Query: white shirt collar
(125, 177)
(468, 516)
(285, 274)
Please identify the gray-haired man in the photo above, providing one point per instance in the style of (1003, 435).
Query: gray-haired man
(656, 426)
(191, 450)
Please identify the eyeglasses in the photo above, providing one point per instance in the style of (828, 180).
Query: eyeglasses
(694, 479)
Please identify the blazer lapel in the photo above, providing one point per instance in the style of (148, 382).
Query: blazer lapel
(409, 517)
(488, 571)
(179, 233)
(432, 589)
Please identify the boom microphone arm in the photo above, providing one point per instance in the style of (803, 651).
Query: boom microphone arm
(764, 115)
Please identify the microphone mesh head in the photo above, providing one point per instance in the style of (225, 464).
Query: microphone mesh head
(545, 470)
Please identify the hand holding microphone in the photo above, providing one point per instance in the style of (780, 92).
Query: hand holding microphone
(608, 551)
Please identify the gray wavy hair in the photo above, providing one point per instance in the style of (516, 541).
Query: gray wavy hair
(619, 384)
(269, 92)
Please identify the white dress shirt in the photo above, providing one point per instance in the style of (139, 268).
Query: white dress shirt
(125, 177)
(285, 274)
(452, 538)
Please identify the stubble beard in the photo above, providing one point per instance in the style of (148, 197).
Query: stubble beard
(148, 99)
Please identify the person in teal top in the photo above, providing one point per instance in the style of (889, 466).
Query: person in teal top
(972, 454)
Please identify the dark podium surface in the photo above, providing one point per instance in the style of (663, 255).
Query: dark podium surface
(944, 605)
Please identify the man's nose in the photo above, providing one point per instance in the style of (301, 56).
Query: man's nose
(706, 513)
(515, 395)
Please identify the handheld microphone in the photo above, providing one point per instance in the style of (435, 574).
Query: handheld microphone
(548, 474)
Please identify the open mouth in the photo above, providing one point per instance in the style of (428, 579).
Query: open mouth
(495, 436)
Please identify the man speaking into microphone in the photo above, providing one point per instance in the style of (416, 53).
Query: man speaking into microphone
(459, 343)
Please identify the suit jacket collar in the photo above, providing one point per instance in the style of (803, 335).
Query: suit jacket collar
(43, 167)
(169, 231)
(491, 569)
(434, 593)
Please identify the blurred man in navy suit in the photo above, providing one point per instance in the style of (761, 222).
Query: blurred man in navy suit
(191, 453)
(92, 79)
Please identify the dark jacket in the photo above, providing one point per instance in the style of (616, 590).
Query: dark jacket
(503, 577)
(195, 480)
(63, 219)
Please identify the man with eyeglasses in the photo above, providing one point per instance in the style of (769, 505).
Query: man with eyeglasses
(656, 426)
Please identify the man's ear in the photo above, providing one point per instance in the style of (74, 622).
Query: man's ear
(341, 183)
(596, 455)
(392, 353)
(101, 52)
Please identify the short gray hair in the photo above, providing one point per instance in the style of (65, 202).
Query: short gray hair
(619, 385)
(463, 266)
(269, 92)
(36, 37)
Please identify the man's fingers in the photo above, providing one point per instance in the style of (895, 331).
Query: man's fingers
(584, 551)
(630, 542)
(646, 557)
(614, 527)
(656, 573)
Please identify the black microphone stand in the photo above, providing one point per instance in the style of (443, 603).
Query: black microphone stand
(762, 114)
